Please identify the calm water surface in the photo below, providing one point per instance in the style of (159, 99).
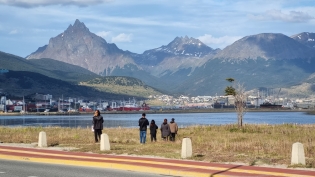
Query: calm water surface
(183, 119)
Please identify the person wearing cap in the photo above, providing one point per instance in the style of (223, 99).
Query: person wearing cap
(173, 129)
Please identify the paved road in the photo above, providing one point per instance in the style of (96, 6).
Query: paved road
(10, 168)
(144, 165)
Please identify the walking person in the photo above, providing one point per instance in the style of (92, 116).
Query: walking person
(153, 128)
(165, 130)
(173, 129)
(143, 123)
(97, 125)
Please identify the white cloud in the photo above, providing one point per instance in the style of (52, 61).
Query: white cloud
(292, 16)
(13, 32)
(36, 3)
(104, 34)
(122, 38)
(220, 42)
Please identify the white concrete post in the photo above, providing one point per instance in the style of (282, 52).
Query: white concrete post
(42, 141)
(298, 156)
(186, 148)
(104, 142)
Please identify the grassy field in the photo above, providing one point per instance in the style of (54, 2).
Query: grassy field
(252, 145)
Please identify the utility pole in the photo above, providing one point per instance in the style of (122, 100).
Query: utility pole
(59, 105)
(5, 104)
(75, 104)
(62, 102)
(36, 104)
(24, 104)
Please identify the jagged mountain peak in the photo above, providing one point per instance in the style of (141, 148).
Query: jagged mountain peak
(179, 47)
(77, 27)
(77, 23)
(266, 46)
(78, 46)
(185, 39)
(179, 42)
(183, 46)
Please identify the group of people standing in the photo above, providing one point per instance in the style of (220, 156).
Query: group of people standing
(168, 130)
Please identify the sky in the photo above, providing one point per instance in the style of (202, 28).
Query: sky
(140, 25)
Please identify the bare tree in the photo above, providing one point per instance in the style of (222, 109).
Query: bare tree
(240, 103)
(238, 91)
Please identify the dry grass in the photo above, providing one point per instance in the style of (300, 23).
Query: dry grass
(268, 144)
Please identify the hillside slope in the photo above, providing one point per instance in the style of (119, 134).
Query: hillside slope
(123, 86)
(21, 83)
(48, 67)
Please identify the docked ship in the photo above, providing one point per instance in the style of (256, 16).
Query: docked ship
(218, 105)
(270, 105)
(85, 109)
(133, 106)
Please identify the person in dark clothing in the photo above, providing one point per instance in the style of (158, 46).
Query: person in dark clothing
(165, 130)
(153, 128)
(143, 123)
(97, 125)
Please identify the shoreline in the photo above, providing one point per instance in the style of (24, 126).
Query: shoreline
(224, 110)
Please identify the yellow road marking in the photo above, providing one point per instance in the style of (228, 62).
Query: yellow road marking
(108, 165)
(142, 161)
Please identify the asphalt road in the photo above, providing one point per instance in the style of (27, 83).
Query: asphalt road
(30, 169)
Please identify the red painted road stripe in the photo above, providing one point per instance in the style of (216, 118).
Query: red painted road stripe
(170, 167)
(177, 162)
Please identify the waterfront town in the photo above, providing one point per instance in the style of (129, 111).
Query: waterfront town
(46, 103)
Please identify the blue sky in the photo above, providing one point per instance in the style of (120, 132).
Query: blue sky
(139, 25)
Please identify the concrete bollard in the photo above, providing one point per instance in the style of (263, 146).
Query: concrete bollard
(105, 146)
(298, 156)
(42, 141)
(186, 148)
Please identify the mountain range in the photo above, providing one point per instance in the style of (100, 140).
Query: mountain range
(188, 66)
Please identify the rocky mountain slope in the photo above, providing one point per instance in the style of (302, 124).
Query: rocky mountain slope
(305, 38)
(266, 46)
(181, 53)
(179, 47)
(188, 66)
(262, 60)
(78, 46)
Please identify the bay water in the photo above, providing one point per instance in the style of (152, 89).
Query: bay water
(182, 119)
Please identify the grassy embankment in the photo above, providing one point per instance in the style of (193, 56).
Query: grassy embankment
(253, 144)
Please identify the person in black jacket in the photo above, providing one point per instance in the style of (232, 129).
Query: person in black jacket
(143, 123)
(97, 125)
(153, 128)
